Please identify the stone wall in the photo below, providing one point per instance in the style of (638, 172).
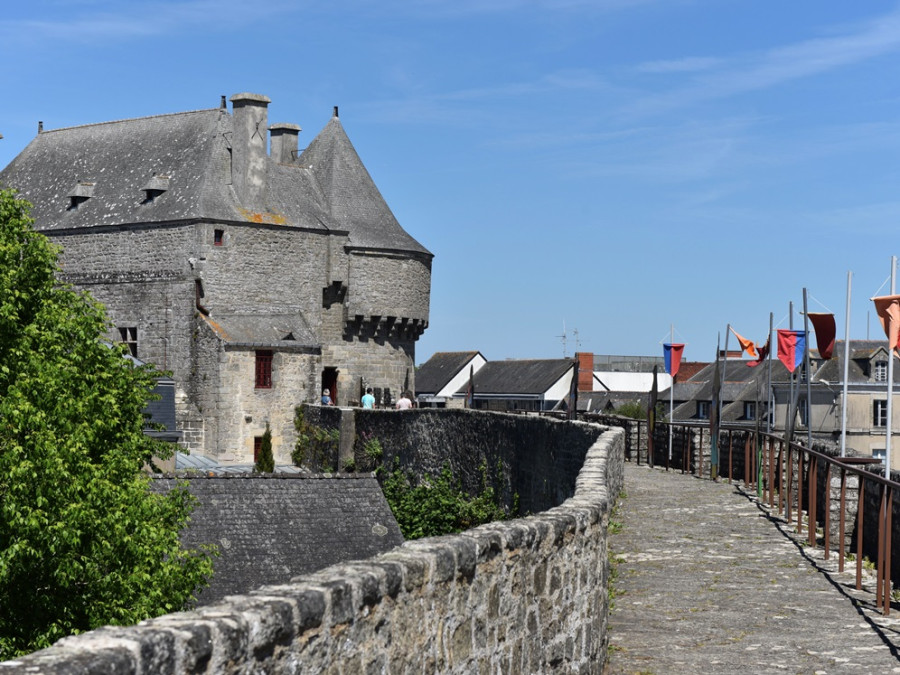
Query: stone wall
(527, 595)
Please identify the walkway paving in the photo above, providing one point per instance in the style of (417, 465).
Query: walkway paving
(708, 581)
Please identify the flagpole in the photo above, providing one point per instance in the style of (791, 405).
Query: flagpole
(846, 370)
(808, 375)
(724, 369)
(671, 391)
(788, 422)
(890, 392)
(770, 398)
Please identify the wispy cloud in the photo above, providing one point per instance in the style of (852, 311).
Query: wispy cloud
(89, 22)
(727, 77)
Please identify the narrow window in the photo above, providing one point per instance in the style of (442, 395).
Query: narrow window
(879, 413)
(218, 237)
(703, 410)
(128, 335)
(749, 410)
(257, 448)
(881, 368)
(263, 369)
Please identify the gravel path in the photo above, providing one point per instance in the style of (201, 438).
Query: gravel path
(708, 581)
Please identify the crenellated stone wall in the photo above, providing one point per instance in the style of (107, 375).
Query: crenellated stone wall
(521, 596)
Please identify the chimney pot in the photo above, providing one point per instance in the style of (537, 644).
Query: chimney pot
(40, 126)
(335, 111)
(222, 103)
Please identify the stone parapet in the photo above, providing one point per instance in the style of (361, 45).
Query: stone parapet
(525, 595)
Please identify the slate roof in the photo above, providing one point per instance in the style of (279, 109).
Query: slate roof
(271, 528)
(111, 165)
(436, 372)
(522, 377)
(264, 330)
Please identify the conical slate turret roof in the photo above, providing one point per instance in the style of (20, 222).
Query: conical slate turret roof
(356, 204)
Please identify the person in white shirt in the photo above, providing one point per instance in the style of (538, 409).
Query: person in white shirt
(404, 402)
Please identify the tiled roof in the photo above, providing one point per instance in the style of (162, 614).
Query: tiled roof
(520, 376)
(436, 372)
(269, 528)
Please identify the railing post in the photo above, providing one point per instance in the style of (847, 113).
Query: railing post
(799, 491)
(827, 510)
(842, 519)
(859, 531)
(771, 473)
(700, 457)
(887, 549)
(789, 467)
(879, 565)
(812, 489)
(730, 454)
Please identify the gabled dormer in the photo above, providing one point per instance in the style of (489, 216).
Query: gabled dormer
(877, 365)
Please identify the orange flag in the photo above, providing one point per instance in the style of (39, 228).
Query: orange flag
(748, 346)
(888, 308)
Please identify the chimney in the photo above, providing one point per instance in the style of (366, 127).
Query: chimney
(284, 142)
(248, 148)
(585, 370)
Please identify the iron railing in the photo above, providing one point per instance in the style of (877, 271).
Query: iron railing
(807, 485)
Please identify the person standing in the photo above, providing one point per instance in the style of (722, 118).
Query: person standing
(368, 401)
(404, 402)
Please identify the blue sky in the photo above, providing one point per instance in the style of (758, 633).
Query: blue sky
(614, 166)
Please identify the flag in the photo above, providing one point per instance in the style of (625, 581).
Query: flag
(673, 354)
(748, 346)
(763, 353)
(651, 409)
(888, 308)
(823, 324)
(791, 348)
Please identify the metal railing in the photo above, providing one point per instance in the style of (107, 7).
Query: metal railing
(798, 479)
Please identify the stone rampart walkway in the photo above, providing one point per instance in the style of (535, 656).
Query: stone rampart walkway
(708, 581)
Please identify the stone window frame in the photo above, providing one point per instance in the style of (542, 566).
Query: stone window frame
(263, 360)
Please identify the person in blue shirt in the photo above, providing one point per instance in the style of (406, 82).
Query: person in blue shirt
(368, 401)
(326, 398)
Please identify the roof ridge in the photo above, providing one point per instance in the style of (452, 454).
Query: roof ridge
(127, 119)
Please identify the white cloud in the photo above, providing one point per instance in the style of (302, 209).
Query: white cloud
(777, 66)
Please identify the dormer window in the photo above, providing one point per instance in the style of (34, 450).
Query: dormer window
(80, 194)
(155, 187)
(880, 371)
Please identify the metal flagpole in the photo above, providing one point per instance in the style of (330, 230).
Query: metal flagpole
(671, 391)
(846, 371)
(788, 422)
(724, 368)
(890, 391)
(770, 396)
(808, 375)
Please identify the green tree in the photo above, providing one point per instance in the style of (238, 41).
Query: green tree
(266, 462)
(83, 540)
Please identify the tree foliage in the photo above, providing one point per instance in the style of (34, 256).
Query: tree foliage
(83, 541)
(265, 463)
(437, 505)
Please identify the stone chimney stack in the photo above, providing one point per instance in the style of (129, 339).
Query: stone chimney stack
(284, 142)
(248, 148)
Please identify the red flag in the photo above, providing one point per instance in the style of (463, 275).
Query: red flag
(791, 348)
(823, 324)
(748, 346)
(888, 308)
(763, 353)
(672, 353)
